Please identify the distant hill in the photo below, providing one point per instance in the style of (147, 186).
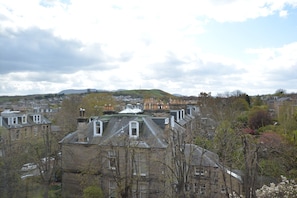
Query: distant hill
(80, 91)
(137, 93)
(144, 93)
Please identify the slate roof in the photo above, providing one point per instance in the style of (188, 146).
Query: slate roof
(18, 115)
(116, 130)
(200, 156)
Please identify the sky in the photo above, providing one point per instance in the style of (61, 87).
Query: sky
(181, 47)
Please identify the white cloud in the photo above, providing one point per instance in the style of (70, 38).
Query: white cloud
(283, 13)
(275, 58)
(133, 44)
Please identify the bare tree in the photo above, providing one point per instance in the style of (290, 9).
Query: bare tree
(250, 151)
(45, 153)
(66, 118)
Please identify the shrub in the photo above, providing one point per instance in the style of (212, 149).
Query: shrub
(93, 192)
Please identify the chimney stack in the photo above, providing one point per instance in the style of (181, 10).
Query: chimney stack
(82, 121)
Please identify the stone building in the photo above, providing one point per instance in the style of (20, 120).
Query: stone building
(19, 126)
(139, 155)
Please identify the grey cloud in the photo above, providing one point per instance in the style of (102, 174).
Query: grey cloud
(171, 68)
(42, 76)
(126, 56)
(283, 74)
(3, 18)
(40, 51)
(168, 69)
(214, 68)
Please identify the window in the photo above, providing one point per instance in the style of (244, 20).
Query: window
(199, 171)
(14, 120)
(26, 132)
(112, 159)
(24, 119)
(202, 189)
(140, 190)
(133, 129)
(196, 187)
(37, 118)
(139, 164)
(112, 189)
(215, 176)
(35, 130)
(17, 135)
(98, 127)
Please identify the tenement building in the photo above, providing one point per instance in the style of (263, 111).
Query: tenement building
(18, 127)
(140, 155)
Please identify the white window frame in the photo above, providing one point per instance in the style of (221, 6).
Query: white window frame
(37, 118)
(140, 166)
(132, 128)
(112, 159)
(200, 171)
(24, 119)
(97, 130)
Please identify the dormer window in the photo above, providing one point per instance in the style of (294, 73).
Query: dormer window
(98, 127)
(182, 114)
(24, 119)
(37, 118)
(133, 129)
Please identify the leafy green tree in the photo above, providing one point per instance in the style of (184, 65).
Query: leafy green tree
(277, 155)
(287, 115)
(67, 116)
(94, 103)
(259, 117)
(204, 142)
(280, 92)
(227, 145)
(257, 101)
(10, 164)
(93, 192)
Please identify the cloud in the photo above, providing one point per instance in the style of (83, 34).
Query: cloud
(39, 51)
(283, 13)
(179, 46)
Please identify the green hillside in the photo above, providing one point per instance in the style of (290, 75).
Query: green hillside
(145, 93)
